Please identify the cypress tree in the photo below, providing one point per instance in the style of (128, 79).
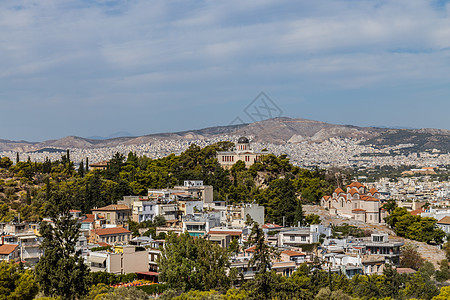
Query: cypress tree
(81, 169)
(299, 216)
(86, 168)
(47, 188)
(17, 157)
(28, 196)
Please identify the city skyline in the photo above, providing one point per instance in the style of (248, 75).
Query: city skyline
(88, 68)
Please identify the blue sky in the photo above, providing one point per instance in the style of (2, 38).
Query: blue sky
(97, 67)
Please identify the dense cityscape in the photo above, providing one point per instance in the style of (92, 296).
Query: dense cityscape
(339, 152)
(127, 235)
(224, 150)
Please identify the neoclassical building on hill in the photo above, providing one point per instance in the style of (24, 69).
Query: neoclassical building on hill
(242, 152)
(357, 203)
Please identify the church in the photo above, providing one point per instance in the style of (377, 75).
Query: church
(242, 152)
(357, 203)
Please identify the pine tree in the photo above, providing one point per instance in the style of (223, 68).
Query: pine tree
(61, 271)
(263, 253)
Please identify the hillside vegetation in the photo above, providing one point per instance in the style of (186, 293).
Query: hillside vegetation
(274, 182)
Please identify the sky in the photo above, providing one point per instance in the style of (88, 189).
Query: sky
(96, 67)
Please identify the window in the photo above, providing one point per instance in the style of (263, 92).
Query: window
(303, 238)
(292, 238)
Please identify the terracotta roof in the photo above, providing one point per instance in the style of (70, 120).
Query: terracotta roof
(271, 226)
(103, 163)
(338, 191)
(353, 191)
(373, 191)
(358, 210)
(172, 221)
(91, 218)
(113, 207)
(74, 211)
(405, 270)
(368, 198)
(251, 249)
(114, 230)
(293, 253)
(355, 184)
(444, 220)
(417, 212)
(7, 249)
(326, 197)
(148, 273)
(103, 244)
(235, 233)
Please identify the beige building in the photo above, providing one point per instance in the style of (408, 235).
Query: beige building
(101, 165)
(356, 203)
(236, 215)
(128, 261)
(115, 214)
(242, 152)
(116, 235)
(196, 190)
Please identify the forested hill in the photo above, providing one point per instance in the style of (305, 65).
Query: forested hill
(274, 182)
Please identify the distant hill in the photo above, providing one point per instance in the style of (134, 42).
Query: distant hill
(423, 139)
(111, 136)
(277, 131)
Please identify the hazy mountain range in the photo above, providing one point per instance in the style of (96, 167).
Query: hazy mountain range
(277, 131)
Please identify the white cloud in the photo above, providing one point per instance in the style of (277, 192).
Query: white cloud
(135, 48)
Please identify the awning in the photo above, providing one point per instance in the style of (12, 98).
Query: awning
(97, 259)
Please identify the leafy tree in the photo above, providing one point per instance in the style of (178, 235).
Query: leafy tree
(420, 286)
(446, 248)
(187, 264)
(61, 271)
(5, 162)
(392, 283)
(410, 257)
(98, 289)
(114, 166)
(16, 283)
(312, 219)
(327, 294)
(123, 293)
(159, 221)
(415, 227)
(390, 205)
(443, 274)
(444, 294)
(266, 285)
(428, 268)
